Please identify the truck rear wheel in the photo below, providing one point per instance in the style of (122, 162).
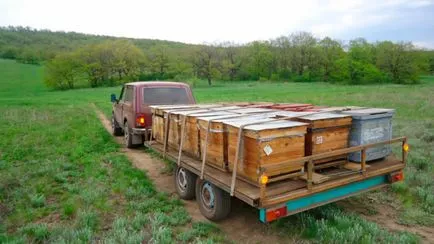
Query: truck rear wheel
(214, 203)
(128, 136)
(116, 129)
(185, 183)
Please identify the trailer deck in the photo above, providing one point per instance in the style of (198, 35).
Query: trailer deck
(336, 183)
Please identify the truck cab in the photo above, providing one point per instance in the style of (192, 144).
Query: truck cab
(131, 114)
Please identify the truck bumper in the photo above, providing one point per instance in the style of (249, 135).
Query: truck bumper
(141, 131)
(318, 199)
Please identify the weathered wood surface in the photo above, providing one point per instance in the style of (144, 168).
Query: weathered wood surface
(266, 143)
(326, 132)
(262, 144)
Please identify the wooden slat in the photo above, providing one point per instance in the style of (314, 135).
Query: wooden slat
(316, 178)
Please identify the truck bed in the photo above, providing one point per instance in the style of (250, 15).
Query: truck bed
(280, 192)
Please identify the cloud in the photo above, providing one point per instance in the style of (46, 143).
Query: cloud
(424, 44)
(198, 21)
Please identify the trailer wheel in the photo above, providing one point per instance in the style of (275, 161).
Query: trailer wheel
(214, 203)
(185, 183)
(128, 136)
(116, 130)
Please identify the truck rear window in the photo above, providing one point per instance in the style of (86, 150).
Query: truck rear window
(165, 95)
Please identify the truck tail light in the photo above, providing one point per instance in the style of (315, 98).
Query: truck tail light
(140, 120)
(276, 213)
(397, 176)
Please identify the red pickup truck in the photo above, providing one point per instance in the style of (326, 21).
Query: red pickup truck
(131, 115)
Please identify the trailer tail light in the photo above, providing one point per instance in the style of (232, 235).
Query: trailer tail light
(397, 176)
(140, 120)
(405, 147)
(276, 213)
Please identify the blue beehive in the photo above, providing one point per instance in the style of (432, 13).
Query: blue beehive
(371, 125)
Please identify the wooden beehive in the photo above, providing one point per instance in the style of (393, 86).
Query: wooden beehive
(158, 122)
(191, 144)
(266, 143)
(160, 114)
(326, 132)
(216, 151)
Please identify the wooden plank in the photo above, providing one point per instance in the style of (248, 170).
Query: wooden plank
(354, 166)
(316, 178)
(332, 154)
(390, 164)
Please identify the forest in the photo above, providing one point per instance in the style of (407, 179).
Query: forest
(74, 60)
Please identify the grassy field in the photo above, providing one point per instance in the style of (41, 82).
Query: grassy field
(63, 178)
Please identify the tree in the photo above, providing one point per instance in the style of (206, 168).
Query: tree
(362, 51)
(331, 50)
(159, 59)
(305, 53)
(63, 71)
(398, 61)
(354, 72)
(282, 51)
(206, 63)
(261, 60)
(232, 61)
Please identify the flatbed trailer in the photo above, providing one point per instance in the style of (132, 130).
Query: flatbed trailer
(281, 197)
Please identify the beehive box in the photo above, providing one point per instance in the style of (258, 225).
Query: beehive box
(266, 143)
(326, 132)
(160, 114)
(191, 141)
(158, 120)
(216, 152)
(371, 126)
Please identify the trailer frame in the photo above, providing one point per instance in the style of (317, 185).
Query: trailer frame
(289, 195)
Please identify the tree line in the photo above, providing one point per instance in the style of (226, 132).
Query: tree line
(104, 61)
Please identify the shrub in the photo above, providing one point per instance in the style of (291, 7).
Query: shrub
(275, 77)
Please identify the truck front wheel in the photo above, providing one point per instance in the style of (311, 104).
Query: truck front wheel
(185, 183)
(116, 130)
(214, 203)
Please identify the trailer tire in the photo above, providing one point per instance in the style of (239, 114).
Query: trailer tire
(185, 183)
(116, 129)
(214, 203)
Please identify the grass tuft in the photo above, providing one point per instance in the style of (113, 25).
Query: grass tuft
(37, 200)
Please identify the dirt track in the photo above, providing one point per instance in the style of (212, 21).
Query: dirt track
(242, 225)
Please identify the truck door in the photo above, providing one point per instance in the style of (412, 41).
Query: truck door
(118, 108)
(127, 106)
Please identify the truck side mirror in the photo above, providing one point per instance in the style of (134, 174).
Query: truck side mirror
(113, 98)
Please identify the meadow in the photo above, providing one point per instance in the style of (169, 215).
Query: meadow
(63, 178)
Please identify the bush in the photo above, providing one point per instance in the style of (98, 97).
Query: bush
(354, 72)
(275, 77)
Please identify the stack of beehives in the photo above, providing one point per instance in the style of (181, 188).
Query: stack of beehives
(268, 136)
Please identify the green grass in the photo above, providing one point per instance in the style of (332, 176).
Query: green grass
(63, 177)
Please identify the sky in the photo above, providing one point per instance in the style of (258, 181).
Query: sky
(240, 21)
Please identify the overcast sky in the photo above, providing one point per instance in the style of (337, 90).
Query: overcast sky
(198, 21)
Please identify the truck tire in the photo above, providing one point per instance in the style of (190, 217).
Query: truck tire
(116, 129)
(214, 203)
(185, 183)
(128, 136)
